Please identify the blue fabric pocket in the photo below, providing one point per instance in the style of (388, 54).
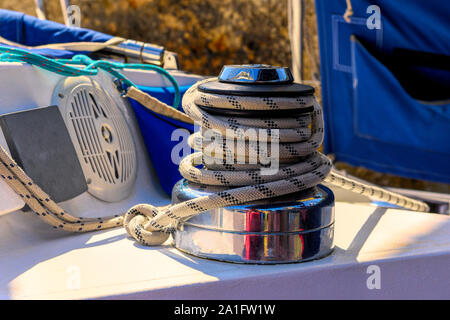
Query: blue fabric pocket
(384, 112)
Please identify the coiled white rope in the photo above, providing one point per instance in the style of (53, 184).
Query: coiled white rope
(301, 165)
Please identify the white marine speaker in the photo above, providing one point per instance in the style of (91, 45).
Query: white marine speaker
(100, 135)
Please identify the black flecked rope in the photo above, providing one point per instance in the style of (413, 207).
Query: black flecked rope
(44, 206)
(301, 166)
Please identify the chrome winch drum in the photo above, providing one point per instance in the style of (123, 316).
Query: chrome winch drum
(293, 228)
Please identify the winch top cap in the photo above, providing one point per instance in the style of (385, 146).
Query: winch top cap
(255, 74)
(256, 80)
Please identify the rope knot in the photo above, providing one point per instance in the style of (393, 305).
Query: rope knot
(138, 224)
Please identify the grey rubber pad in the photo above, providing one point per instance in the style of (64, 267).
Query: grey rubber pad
(40, 144)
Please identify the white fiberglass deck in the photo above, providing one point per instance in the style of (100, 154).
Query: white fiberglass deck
(411, 249)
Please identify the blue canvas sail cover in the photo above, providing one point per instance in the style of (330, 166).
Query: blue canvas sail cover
(386, 85)
(31, 31)
(156, 129)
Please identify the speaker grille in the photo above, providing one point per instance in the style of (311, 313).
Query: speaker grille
(101, 137)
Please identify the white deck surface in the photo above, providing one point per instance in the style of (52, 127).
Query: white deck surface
(411, 249)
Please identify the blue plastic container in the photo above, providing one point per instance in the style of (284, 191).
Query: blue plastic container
(157, 131)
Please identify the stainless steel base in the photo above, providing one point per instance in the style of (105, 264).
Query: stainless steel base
(296, 228)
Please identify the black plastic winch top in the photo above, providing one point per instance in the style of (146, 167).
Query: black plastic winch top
(256, 80)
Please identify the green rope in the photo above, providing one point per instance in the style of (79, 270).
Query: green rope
(65, 67)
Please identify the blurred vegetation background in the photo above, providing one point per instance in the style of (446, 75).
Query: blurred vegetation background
(208, 34)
